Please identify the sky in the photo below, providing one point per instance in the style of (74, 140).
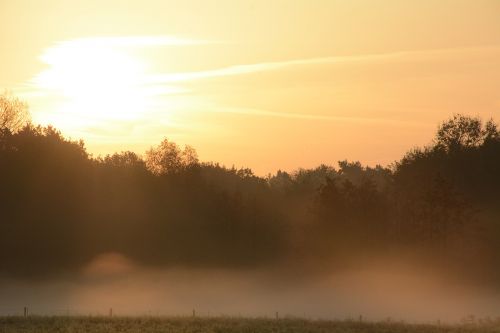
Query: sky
(262, 84)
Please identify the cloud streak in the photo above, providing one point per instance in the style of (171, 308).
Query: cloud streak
(304, 116)
(277, 65)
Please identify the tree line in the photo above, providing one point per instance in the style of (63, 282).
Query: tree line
(60, 206)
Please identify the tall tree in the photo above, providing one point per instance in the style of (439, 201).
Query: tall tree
(14, 113)
(464, 132)
(168, 157)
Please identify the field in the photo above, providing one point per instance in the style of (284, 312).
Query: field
(219, 325)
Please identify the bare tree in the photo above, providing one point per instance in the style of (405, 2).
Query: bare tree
(14, 113)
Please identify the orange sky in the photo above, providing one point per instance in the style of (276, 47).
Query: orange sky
(263, 84)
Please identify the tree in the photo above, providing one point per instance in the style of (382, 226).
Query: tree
(14, 113)
(491, 132)
(443, 211)
(125, 159)
(464, 132)
(189, 156)
(167, 157)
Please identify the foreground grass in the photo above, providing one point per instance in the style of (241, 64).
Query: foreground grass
(217, 325)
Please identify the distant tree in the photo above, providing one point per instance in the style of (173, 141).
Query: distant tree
(330, 200)
(167, 157)
(491, 131)
(464, 132)
(124, 159)
(14, 113)
(189, 156)
(281, 182)
(352, 171)
(349, 203)
(307, 181)
(438, 214)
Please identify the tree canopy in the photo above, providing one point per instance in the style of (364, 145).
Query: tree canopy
(14, 113)
(60, 207)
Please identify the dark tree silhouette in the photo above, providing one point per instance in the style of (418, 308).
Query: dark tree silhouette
(60, 207)
(464, 132)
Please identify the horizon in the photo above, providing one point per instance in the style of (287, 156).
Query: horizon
(271, 96)
(322, 159)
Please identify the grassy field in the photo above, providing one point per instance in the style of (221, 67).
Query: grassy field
(216, 325)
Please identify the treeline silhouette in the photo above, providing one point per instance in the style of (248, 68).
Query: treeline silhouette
(60, 206)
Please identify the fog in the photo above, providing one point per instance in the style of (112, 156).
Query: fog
(385, 290)
(167, 234)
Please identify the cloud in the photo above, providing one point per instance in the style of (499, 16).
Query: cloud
(304, 116)
(277, 65)
(252, 68)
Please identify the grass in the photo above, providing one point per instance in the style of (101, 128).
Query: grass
(41, 324)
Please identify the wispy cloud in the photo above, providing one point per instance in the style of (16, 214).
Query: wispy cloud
(304, 116)
(260, 67)
(277, 65)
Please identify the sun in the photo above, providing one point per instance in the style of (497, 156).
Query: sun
(97, 81)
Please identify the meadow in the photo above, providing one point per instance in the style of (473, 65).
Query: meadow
(45, 324)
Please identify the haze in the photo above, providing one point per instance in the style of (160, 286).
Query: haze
(250, 83)
(319, 159)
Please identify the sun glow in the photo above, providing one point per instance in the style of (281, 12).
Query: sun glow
(98, 80)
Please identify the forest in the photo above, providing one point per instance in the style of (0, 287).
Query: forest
(61, 206)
